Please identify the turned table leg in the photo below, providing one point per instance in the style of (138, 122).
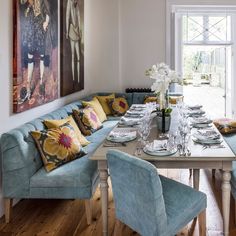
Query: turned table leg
(196, 178)
(226, 188)
(103, 174)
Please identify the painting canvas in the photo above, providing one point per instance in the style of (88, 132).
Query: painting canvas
(35, 53)
(72, 46)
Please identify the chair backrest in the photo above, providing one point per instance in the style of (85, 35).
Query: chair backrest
(137, 193)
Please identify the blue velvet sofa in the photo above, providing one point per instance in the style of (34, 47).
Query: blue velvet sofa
(23, 174)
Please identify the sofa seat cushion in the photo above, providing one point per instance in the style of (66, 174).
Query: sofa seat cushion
(101, 134)
(138, 98)
(76, 174)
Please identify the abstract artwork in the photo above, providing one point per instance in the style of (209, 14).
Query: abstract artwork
(72, 46)
(35, 53)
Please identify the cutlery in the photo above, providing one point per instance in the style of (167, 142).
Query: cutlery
(114, 144)
(213, 146)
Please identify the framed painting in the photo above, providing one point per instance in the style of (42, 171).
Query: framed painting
(35, 53)
(72, 46)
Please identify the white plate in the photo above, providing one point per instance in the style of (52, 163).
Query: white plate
(121, 139)
(159, 153)
(210, 141)
(201, 125)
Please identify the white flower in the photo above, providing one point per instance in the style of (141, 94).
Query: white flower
(163, 76)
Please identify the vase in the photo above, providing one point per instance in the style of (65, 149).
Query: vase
(167, 121)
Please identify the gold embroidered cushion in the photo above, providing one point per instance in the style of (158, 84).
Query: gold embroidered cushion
(103, 102)
(225, 125)
(149, 99)
(95, 104)
(87, 120)
(119, 106)
(57, 123)
(58, 146)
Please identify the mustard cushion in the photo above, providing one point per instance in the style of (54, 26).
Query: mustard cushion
(58, 146)
(57, 123)
(119, 106)
(95, 104)
(87, 120)
(103, 101)
(225, 125)
(175, 99)
(149, 99)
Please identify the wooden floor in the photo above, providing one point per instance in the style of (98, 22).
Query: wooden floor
(67, 217)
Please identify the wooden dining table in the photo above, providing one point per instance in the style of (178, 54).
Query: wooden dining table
(200, 158)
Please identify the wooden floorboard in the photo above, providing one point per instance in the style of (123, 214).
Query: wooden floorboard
(67, 217)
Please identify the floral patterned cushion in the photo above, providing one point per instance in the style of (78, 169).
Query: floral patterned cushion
(87, 120)
(149, 99)
(57, 123)
(225, 125)
(58, 146)
(119, 106)
(95, 104)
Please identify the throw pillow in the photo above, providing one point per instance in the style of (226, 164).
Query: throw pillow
(175, 99)
(87, 120)
(57, 123)
(103, 102)
(149, 99)
(95, 104)
(58, 146)
(119, 106)
(225, 125)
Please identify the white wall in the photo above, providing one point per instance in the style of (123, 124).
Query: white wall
(142, 39)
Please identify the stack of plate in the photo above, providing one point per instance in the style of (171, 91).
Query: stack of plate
(158, 148)
(122, 136)
(208, 136)
(201, 122)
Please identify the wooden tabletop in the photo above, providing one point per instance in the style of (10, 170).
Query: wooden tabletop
(197, 151)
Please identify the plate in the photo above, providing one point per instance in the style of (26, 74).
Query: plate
(210, 141)
(201, 125)
(121, 139)
(159, 153)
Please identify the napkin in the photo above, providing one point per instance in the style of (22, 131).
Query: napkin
(122, 134)
(207, 135)
(157, 146)
(195, 107)
(128, 121)
(201, 120)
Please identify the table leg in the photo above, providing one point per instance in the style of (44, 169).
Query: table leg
(226, 188)
(196, 178)
(103, 174)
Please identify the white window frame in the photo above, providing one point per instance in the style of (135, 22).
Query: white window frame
(176, 6)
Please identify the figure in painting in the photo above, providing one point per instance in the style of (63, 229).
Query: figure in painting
(36, 40)
(74, 34)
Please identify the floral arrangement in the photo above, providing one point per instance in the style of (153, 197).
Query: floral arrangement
(163, 76)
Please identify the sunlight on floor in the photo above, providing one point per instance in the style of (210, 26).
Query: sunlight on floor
(210, 97)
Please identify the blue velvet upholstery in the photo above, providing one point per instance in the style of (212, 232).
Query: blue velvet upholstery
(23, 174)
(138, 98)
(149, 204)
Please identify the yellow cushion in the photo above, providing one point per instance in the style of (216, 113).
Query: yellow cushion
(225, 125)
(149, 99)
(87, 120)
(119, 106)
(57, 123)
(95, 104)
(175, 99)
(58, 146)
(103, 101)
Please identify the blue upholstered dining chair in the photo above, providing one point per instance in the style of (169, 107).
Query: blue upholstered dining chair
(150, 204)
